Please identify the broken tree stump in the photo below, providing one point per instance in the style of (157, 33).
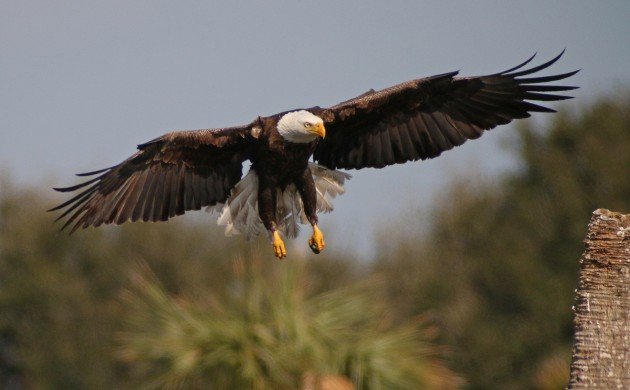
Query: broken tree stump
(601, 346)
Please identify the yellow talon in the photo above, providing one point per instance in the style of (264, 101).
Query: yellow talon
(278, 246)
(316, 242)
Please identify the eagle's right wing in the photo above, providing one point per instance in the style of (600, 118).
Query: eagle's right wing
(179, 171)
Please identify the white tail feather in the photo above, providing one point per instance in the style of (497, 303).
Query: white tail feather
(239, 214)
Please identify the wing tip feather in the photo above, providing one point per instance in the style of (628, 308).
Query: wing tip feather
(519, 66)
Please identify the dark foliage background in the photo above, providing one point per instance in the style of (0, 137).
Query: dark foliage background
(485, 295)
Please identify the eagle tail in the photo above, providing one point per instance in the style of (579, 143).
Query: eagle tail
(239, 214)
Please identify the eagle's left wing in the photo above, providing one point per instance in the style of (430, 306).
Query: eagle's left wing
(422, 118)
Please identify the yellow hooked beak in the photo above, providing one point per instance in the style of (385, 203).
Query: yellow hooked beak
(318, 129)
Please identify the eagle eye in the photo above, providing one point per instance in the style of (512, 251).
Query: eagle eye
(307, 124)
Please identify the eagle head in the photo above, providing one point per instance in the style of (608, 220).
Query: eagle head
(301, 127)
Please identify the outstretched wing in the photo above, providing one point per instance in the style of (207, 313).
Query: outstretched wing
(422, 118)
(179, 171)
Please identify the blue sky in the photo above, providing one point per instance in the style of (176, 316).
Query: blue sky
(83, 82)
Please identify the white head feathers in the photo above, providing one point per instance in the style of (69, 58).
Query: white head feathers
(300, 127)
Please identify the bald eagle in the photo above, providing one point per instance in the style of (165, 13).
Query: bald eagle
(188, 170)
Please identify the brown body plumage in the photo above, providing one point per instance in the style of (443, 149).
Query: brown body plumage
(418, 119)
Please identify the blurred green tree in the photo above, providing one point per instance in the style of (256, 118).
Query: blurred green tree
(268, 331)
(499, 265)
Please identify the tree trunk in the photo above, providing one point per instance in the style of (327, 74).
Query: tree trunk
(601, 349)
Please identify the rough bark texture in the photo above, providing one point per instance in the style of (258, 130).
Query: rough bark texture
(601, 350)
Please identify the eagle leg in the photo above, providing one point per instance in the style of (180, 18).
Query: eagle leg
(316, 243)
(278, 246)
(308, 191)
(267, 211)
